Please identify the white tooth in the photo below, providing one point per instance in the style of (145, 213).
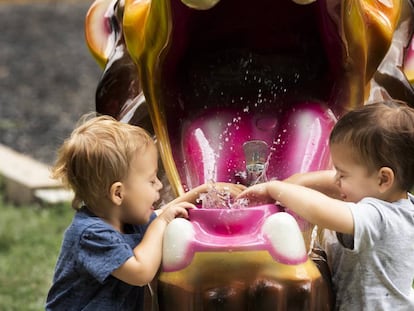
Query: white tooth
(200, 4)
(284, 234)
(177, 239)
(303, 1)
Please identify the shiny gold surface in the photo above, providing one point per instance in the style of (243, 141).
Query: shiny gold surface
(218, 268)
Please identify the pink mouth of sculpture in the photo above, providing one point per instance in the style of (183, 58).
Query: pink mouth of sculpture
(250, 68)
(260, 57)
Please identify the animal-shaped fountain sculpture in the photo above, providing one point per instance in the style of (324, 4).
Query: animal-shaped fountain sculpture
(241, 91)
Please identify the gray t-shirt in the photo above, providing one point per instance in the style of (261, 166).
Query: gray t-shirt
(91, 250)
(374, 269)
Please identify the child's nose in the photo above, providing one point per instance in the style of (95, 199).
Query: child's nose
(159, 184)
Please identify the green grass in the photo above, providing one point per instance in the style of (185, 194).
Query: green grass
(30, 238)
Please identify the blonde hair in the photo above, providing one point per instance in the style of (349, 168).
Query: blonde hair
(382, 135)
(97, 154)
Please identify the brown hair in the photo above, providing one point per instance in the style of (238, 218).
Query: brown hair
(382, 135)
(97, 154)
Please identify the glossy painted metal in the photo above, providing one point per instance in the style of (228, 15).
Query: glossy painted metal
(207, 76)
(328, 52)
(239, 259)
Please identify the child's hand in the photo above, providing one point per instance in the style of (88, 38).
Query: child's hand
(194, 194)
(175, 210)
(257, 194)
(233, 189)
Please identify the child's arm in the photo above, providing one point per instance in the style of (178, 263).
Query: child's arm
(322, 181)
(193, 194)
(141, 268)
(312, 205)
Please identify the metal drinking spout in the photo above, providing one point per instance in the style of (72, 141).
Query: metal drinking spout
(256, 153)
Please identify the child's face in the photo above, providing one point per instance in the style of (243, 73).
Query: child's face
(352, 177)
(141, 188)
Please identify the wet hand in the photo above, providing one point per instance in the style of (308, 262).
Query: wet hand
(233, 189)
(257, 194)
(176, 210)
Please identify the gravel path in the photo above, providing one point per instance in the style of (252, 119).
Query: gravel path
(47, 76)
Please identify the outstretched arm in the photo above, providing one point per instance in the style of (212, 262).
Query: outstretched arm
(322, 181)
(314, 206)
(194, 194)
(141, 268)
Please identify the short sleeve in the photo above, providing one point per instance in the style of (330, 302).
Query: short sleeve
(368, 224)
(102, 250)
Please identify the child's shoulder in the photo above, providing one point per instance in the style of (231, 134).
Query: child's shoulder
(86, 222)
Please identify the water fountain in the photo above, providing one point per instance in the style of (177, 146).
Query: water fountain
(211, 79)
(256, 153)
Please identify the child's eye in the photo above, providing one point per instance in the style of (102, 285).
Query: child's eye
(339, 176)
(154, 181)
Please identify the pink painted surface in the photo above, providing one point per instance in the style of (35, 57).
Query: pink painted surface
(227, 230)
(212, 144)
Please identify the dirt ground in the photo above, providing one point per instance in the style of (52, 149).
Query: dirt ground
(47, 75)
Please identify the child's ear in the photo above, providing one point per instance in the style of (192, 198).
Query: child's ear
(116, 193)
(385, 178)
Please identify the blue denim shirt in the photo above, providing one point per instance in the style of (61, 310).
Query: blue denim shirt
(90, 251)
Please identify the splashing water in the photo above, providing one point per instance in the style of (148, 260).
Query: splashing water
(257, 159)
(220, 199)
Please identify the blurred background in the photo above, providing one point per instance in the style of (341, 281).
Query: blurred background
(47, 81)
(47, 76)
